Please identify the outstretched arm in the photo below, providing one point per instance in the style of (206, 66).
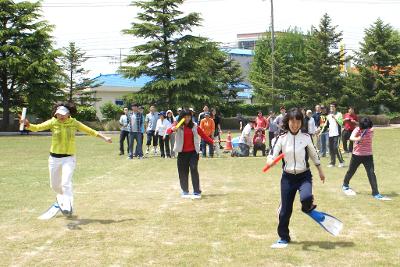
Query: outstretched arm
(38, 127)
(204, 136)
(83, 128)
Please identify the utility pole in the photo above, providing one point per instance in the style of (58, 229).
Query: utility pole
(120, 57)
(272, 46)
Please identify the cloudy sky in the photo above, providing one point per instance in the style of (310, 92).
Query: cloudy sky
(95, 25)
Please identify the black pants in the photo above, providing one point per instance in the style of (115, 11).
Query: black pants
(271, 136)
(151, 137)
(124, 135)
(346, 138)
(164, 146)
(368, 162)
(186, 161)
(203, 146)
(334, 150)
(290, 183)
(259, 147)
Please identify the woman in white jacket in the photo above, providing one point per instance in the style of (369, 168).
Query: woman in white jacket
(297, 148)
(163, 138)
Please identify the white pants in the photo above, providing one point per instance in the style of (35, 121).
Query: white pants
(61, 171)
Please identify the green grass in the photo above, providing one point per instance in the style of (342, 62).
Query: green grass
(128, 213)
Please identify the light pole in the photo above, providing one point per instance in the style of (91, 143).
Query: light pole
(272, 46)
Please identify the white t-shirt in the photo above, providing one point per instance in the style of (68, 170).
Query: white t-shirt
(245, 137)
(311, 126)
(333, 126)
(162, 127)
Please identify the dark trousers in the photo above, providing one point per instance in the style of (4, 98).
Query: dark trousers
(259, 147)
(271, 136)
(346, 138)
(368, 162)
(189, 161)
(123, 135)
(290, 183)
(151, 137)
(139, 149)
(164, 145)
(334, 150)
(204, 145)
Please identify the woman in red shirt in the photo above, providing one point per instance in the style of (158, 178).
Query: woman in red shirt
(261, 122)
(187, 146)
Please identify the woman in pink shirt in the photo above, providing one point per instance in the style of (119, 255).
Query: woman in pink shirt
(362, 154)
(261, 122)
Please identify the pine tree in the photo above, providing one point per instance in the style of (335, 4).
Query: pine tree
(378, 62)
(28, 63)
(289, 53)
(318, 78)
(75, 76)
(185, 69)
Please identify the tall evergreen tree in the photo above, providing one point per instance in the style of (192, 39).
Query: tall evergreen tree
(185, 69)
(318, 78)
(28, 67)
(378, 62)
(76, 76)
(289, 53)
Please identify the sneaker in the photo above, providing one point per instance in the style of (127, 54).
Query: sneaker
(341, 165)
(330, 166)
(130, 158)
(196, 196)
(147, 151)
(280, 244)
(185, 195)
(380, 197)
(121, 153)
(348, 191)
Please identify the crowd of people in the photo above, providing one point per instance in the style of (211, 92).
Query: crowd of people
(154, 125)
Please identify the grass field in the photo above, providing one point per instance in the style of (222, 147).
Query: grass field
(129, 213)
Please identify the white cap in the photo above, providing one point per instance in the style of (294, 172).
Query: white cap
(191, 109)
(62, 110)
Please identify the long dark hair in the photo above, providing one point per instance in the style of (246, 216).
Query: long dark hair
(185, 113)
(294, 113)
(69, 105)
(366, 123)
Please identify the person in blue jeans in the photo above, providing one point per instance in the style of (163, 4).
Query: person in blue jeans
(136, 132)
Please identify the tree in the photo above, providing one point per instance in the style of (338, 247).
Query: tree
(28, 67)
(378, 63)
(185, 69)
(288, 54)
(78, 84)
(318, 78)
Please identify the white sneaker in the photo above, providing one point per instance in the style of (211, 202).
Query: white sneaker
(330, 166)
(280, 244)
(185, 195)
(348, 191)
(196, 196)
(341, 165)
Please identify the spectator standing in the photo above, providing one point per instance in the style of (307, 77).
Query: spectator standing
(261, 121)
(350, 121)
(202, 114)
(161, 131)
(317, 119)
(193, 112)
(173, 121)
(136, 134)
(272, 128)
(323, 135)
(311, 128)
(279, 119)
(217, 124)
(334, 124)
(124, 122)
(150, 124)
(208, 127)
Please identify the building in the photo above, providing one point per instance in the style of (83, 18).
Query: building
(113, 87)
(249, 40)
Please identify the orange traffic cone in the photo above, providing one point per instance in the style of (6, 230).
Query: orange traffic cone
(228, 143)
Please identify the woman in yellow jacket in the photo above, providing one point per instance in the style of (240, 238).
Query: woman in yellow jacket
(62, 159)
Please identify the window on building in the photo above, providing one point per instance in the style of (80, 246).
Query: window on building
(119, 102)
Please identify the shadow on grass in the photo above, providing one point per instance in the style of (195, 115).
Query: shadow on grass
(76, 223)
(393, 194)
(308, 245)
(205, 196)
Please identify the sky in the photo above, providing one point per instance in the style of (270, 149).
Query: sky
(95, 25)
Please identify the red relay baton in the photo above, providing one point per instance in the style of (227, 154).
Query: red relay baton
(278, 158)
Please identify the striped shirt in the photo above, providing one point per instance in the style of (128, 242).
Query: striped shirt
(364, 146)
